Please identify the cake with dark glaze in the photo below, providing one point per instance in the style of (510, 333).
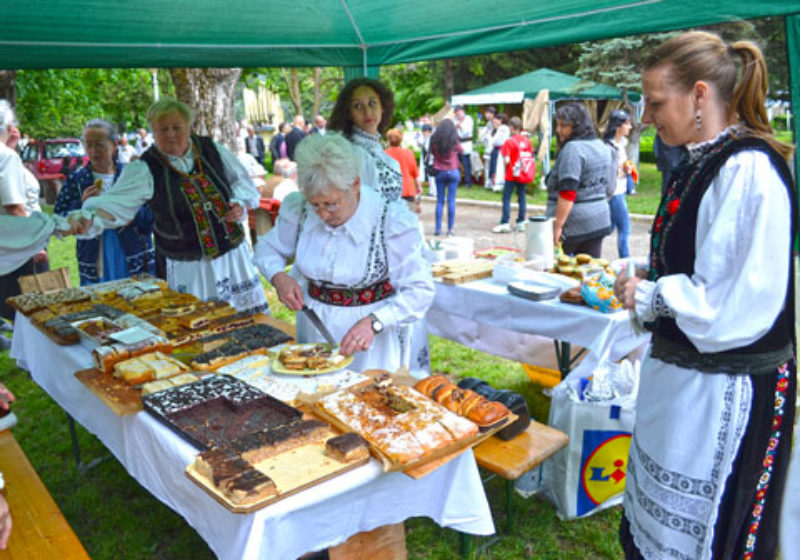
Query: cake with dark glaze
(263, 444)
(347, 447)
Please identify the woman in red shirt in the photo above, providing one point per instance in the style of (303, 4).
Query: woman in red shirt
(408, 168)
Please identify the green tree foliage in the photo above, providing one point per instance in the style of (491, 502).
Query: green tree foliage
(53, 103)
(416, 89)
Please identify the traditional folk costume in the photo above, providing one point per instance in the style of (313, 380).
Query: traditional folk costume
(117, 253)
(715, 409)
(378, 170)
(188, 195)
(370, 264)
(382, 172)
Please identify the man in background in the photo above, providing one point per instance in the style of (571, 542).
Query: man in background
(319, 125)
(295, 136)
(126, 152)
(288, 172)
(466, 128)
(143, 142)
(254, 145)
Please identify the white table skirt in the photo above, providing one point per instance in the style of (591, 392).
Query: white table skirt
(485, 316)
(322, 516)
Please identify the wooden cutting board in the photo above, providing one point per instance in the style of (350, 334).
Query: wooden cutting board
(120, 397)
(292, 472)
(458, 272)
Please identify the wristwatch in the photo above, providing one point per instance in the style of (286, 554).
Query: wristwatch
(377, 326)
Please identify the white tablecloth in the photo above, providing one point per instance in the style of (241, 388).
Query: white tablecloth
(322, 516)
(485, 316)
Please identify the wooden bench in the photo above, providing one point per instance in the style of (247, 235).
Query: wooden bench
(38, 529)
(511, 459)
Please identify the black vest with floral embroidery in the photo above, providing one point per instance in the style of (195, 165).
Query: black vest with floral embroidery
(188, 208)
(672, 251)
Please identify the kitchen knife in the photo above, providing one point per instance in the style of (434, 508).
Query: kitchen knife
(314, 318)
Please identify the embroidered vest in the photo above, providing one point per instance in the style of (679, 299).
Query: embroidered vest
(188, 208)
(672, 251)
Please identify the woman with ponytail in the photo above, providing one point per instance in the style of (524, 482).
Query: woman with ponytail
(715, 409)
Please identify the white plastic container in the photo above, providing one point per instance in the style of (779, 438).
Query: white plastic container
(458, 247)
(539, 239)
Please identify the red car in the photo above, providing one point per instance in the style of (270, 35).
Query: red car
(51, 161)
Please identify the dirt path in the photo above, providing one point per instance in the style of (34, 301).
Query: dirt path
(475, 219)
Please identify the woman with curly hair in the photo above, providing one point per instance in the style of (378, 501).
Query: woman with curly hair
(363, 113)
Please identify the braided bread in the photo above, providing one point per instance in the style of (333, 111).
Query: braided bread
(464, 402)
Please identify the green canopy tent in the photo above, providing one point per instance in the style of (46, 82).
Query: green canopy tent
(355, 34)
(559, 85)
(527, 86)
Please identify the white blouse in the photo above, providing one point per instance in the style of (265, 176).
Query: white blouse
(23, 237)
(742, 259)
(134, 187)
(346, 254)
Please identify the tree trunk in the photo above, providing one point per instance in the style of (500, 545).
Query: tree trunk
(210, 93)
(8, 89)
(293, 85)
(449, 79)
(317, 92)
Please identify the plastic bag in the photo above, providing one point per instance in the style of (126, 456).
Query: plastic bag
(597, 291)
(589, 474)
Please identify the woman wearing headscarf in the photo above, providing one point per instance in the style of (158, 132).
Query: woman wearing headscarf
(198, 192)
(116, 253)
(357, 257)
(578, 182)
(716, 400)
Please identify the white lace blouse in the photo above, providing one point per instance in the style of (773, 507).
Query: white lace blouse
(741, 266)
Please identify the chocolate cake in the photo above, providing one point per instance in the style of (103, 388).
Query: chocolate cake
(219, 465)
(347, 447)
(250, 486)
(260, 445)
(218, 410)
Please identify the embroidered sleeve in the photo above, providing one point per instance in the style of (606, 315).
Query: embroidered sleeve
(245, 191)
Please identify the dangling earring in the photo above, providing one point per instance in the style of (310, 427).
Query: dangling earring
(698, 120)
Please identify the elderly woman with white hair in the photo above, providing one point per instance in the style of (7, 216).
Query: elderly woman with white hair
(198, 192)
(357, 257)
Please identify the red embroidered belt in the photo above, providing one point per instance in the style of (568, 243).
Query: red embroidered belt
(350, 297)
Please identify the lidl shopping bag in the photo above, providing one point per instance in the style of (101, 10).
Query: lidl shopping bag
(589, 474)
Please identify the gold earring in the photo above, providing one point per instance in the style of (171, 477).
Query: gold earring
(698, 119)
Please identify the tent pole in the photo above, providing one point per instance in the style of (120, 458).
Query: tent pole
(792, 28)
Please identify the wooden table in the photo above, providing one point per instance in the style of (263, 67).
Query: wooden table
(513, 458)
(323, 516)
(39, 530)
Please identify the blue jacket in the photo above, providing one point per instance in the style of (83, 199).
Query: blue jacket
(135, 238)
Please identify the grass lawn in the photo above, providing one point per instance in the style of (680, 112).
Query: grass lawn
(115, 518)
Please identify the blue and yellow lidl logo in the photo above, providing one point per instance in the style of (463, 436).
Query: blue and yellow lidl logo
(604, 465)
